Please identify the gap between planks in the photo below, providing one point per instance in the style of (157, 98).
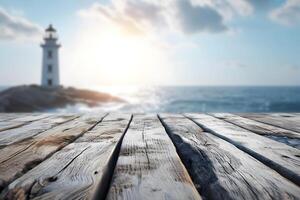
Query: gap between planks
(219, 169)
(280, 157)
(99, 190)
(278, 134)
(287, 121)
(18, 158)
(103, 186)
(148, 166)
(63, 175)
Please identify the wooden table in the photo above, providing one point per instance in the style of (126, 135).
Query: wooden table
(150, 156)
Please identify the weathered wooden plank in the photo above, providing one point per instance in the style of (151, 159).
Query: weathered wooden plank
(20, 121)
(280, 157)
(282, 120)
(222, 171)
(288, 137)
(74, 171)
(16, 116)
(9, 116)
(29, 117)
(18, 134)
(148, 166)
(20, 157)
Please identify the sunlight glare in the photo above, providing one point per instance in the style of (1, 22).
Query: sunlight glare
(112, 57)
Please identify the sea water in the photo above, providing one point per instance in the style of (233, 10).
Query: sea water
(197, 99)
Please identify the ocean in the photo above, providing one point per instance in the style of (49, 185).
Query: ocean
(197, 99)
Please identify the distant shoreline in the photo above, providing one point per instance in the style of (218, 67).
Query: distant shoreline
(34, 98)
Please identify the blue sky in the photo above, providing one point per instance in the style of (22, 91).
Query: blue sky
(177, 42)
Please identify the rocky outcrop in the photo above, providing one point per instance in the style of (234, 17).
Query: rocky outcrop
(30, 98)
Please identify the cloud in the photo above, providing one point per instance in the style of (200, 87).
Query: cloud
(228, 8)
(260, 3)
(131, 16)
(194, 19)
(144, 11)
(14, 27)
(185, 16)
(288, 14)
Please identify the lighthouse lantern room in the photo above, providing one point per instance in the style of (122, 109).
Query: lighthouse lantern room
(50, 63)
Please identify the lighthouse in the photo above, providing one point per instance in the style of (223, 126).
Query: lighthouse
(50, 63)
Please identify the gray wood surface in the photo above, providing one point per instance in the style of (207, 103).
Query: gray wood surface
(288, 137)
(222, 171)
(280, 157)
(75, 156)
(148, 166)
(75, 171)
(10, 116)
(22, 116)
(284, 120)
(15, 122)
(20, 157)
(30, 117)
(11, 136)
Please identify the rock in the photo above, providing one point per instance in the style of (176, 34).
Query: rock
(30, 98)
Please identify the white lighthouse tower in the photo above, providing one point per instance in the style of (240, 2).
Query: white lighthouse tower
(50, 65)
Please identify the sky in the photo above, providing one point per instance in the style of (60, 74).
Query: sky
(154, 42)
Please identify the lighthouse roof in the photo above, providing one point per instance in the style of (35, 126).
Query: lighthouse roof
(50, 29)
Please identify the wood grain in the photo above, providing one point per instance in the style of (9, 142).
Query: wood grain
(148, 166)
(10, 116)
(19, 121)
(222, 171)
(11, 136)
(280, 157)
(75, 171)
(283, 120)
(67, 156)
(288, 137)
(20, 157)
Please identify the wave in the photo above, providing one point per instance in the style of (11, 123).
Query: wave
(200, 99)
